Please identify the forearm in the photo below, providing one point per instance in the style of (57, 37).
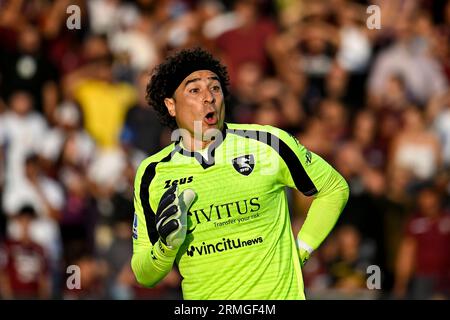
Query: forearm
(324, 211)
(151, 265)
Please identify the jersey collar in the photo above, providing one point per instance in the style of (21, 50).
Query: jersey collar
(205, 163)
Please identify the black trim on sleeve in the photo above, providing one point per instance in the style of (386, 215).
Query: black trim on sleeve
(301, 179)
(144, 194)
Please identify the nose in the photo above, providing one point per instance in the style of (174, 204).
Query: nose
(208, 97)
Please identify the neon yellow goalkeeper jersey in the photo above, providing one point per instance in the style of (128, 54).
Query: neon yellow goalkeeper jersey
(239, 243)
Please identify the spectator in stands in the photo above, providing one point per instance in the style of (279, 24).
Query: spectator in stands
(118, 258)
(104, 104)
(28, 69)
(142, 129)
(243, 97)
(423, 263)
(78, 215)
(22, 131)
(335, 120)
(396, 210)
(253, 33)
(415, 147)
(47, 197)
(103, 101)
(314, 137)
(24, 265)
(67, 143)
(365, 136)
(63, 45)
(409, 57)
(91, 280)
(349, 268)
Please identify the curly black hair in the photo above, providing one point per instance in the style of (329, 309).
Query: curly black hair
(167, 76)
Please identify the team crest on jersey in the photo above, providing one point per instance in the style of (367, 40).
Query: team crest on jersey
(244, 164)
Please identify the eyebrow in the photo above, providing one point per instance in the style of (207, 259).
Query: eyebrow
(197, 79)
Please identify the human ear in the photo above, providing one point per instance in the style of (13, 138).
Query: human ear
(170, 105)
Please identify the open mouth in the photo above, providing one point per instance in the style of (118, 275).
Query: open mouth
(211, 118)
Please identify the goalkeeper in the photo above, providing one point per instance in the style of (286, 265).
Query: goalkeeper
(214, 201)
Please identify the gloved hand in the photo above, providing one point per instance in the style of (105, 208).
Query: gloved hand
(171, 216)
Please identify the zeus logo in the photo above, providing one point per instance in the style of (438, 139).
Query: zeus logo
(222, 211)
(169, 183)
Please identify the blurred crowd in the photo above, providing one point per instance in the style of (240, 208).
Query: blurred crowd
(74, 125)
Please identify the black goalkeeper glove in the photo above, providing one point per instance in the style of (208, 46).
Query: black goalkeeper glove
(171, 216)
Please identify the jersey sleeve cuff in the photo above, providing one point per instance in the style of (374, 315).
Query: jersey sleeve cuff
(303, 245)
(163, 250)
